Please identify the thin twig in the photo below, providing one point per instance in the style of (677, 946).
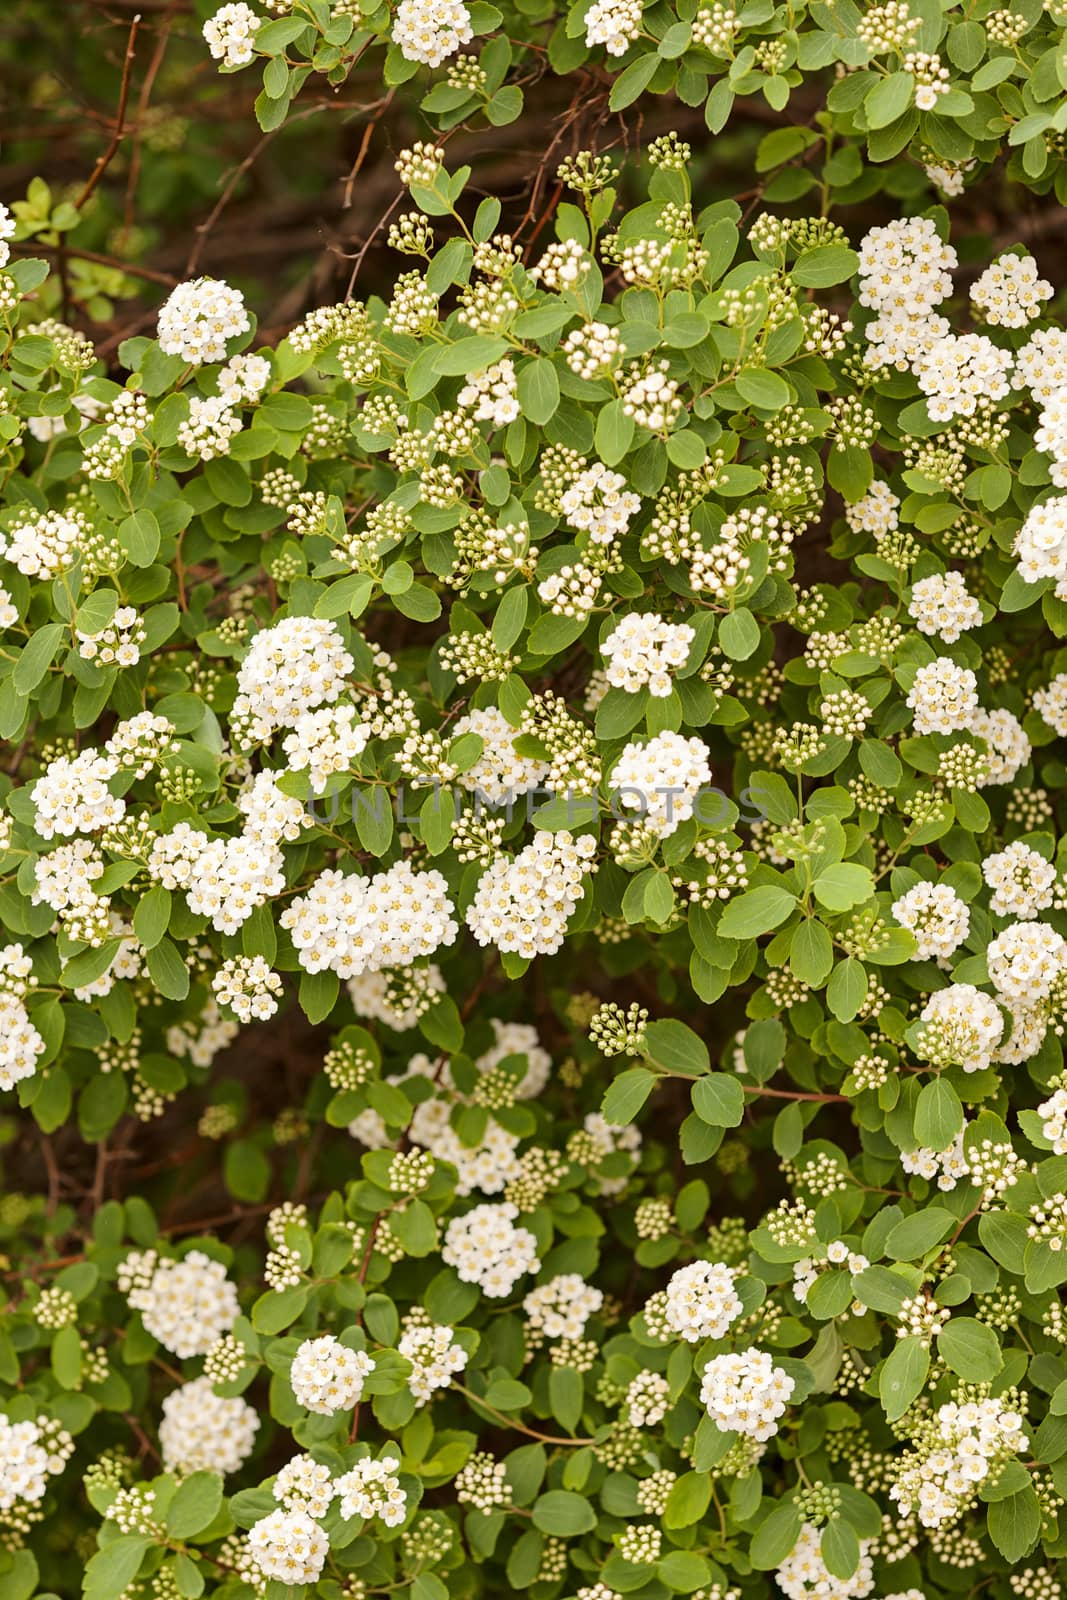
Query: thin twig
(105, 160)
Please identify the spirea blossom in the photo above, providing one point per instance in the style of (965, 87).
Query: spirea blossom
(745, 1392)
(499, 774)
(1010, 292)
(702, 1301)
(25, 1463)
(963, 1026)
(291, 668)
(524, 905)
(348, 924)
(435, 1359)
(372, 1489)
(185, 1304)
(942, 606)
(231, 33)
(644, 650)
(289, 1546)
(937, 917)
(431, 30)
(943, 697)
(199, 317)
(486, 1248)
(599, 503)
(1025, 960)
(204, 1432)
(327, 1376)
(662, 779)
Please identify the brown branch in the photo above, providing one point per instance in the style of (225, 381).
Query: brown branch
(108, 156)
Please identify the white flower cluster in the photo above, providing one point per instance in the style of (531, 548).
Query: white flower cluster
(499, 774)
(289, 1546)
(613, 23)
(42, 546)
(431, 30)
(701, 1301)
(1010, 292)
(291, 668)
(491, 395)
(942, 606)
(1021, 879)
(324, 742)
(204, 1432)
(1053, 1114)
(937, 917)
(304, 1484)
(224, 879)
(327, 1376)
(118, 643)
(486, 1248)
(372, 1489)
(592, 350)
(71, 795)
(644, 650)
(560, 1308)
(524, 905)
(745, 1392)
(209, 428)
(1041, 543)
(904, 274)
(804, 1575)
(185, 1304)
(21, 1044)
(248, 986)
(968, 1441)
(27, 1460)
(960, 373)
(647, 1399)
(348, 925)
(662, 780)
(198, 318)
(1024, 962)
(435, 1359)
(243, 379)
(231, 34)
(876, 513)
(943, 697)
(963, 1026)
(599, 503)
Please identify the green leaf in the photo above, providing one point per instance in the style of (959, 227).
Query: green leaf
(676, 1048)
(1015, 1524)
(811, 953)
(114, 1567)
(756, 911)
(627, 1094)
(739, 635)
(910, 1239)
(842, 885)
(67, 1358)
(37, 657)
(719, 1100)
(775, 1537)
(167, 970)
(903, 1375)
(889, 99)
(847, 989)
(970, 1349)
(938, 1115)
(152, 916)
(538, 389)
(195, 1504)
(840, 1548)
(633, 81)
(688, 1500)
(764, 389)
(562, 1514)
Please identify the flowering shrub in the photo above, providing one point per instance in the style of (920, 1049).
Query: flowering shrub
(596, 702)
